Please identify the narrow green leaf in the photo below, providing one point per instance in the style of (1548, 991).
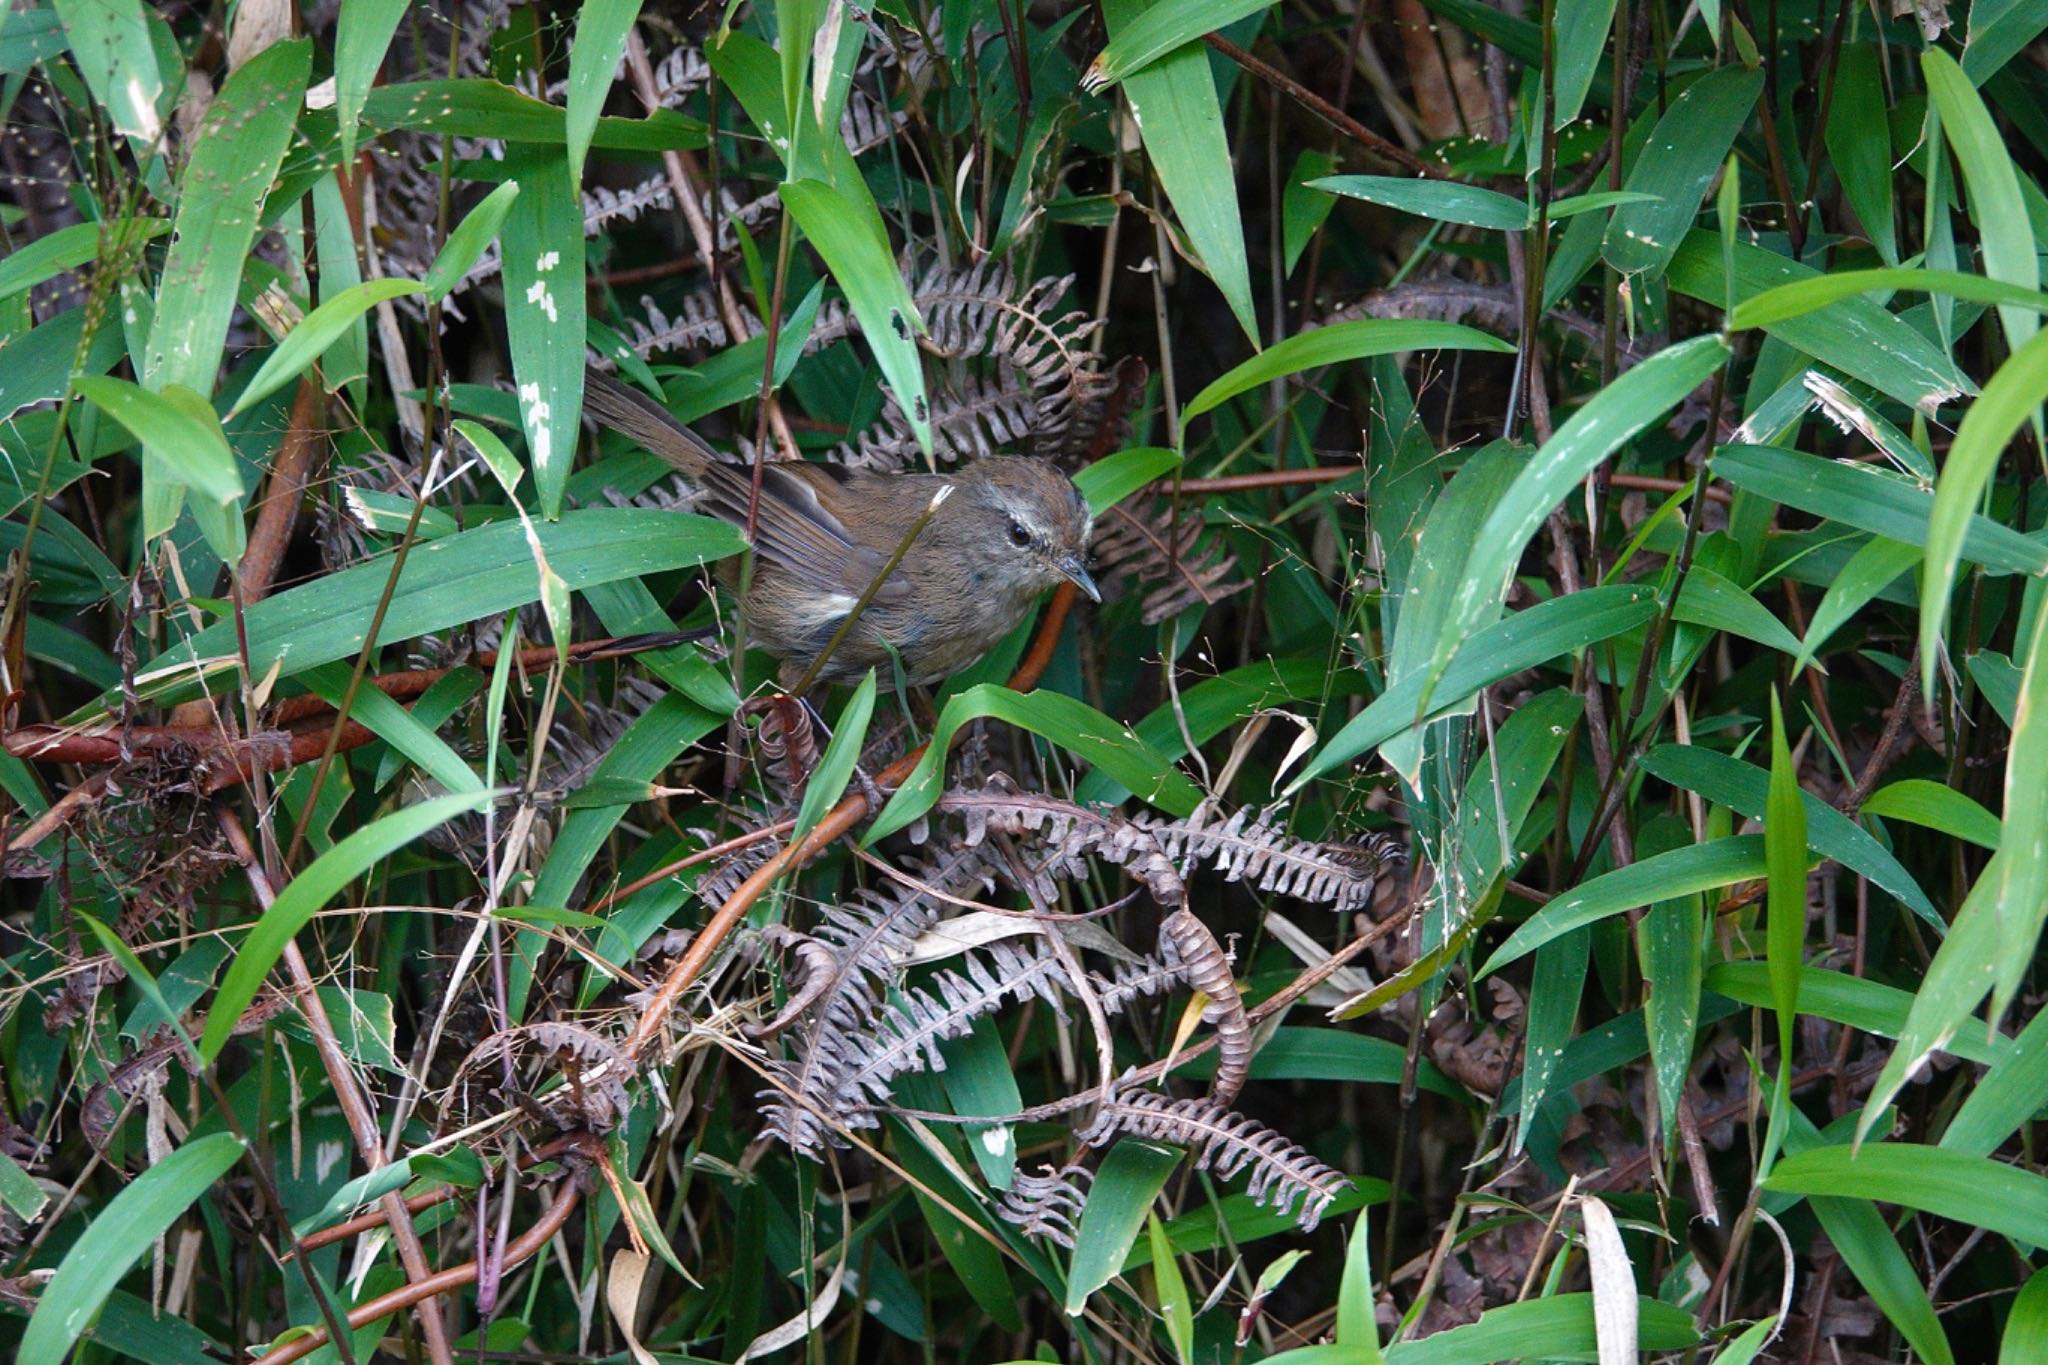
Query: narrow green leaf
(118, 1238)
(1785, 910)
(1159, 31)
(2021, 901)
(68, 248)
(1523, 640)
(856, 250)
(2003, 230)
(1356, 1323)
(1446, 201)
(1971, 1190)
(1818, 291)
(1180, 120)
(1109, 481)
(1121, 1196)
(1681, 872)
(1635, 401)
(828, 780)
(1875, 501)
(179, 425)
(601, 30)
(2026, 1323)
(111, 44)
(1560, 1326)
(235, 156)
(1171, 1290)
(544, 319)
(2006, 1096)
(1581, 38)
(362, 33)
(1303, 210)
(478, 228)
(310, 891)
(1877, 564)
(318, 330)
(473, 107)
(1859, 142)
(1335, 344)
(1072, 725)
(1937, 806)
(2013, 395)
(1676, 166)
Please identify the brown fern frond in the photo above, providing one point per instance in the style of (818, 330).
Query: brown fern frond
(1140, 539)
(1047, 1204)
(1206, 968)
(1253, 848)
(1227, 1142)
(909, 1033)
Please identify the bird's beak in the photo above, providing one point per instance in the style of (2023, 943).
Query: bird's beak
(1076, 573)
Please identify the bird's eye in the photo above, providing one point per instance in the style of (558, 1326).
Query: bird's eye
(1019, 537)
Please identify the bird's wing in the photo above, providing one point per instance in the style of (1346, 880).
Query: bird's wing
(793, 528)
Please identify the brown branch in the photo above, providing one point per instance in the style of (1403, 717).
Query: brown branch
(278, 513)
(376, 1218)
(1323, 109)
(521, 1248)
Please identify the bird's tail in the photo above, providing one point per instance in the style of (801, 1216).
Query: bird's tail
(613, 405)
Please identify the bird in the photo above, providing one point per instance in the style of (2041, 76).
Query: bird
(1002, 531)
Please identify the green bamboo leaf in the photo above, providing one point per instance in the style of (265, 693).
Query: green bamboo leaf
(478, 228)
(1855, 335)
(362, 33)
(1955, 981)
(1303, 210)
(1785, 910)
(1873, 500)
(1110, 480)
(235, 156)
(68, 248)
(1125, 1185)
(1937, 806)
(544, 318)
(1745, 789)
(1356, 1323)
(1581, 37)
(2004, 231)
(1446, 201)
(828, 780)
(306, 343)
(1969, 1189)
(181, 427)
(1676, 166)
(1869, 1006)
(1870, 1251)
(118, 1238)
(1072, 725)
(1667, 876)
(1635, 401)
(2006, 1096)
(474, 107)
(1560, 1326)
(1180, 120)
(2013, 395)
(1335, 344)
(1524, 640)
(1159, 31)
(1171, 1292)
(2026, 1323)
(1999, 31)
(1816, 292)
(1709, 600)
(2021, 901)
(1877, 564)
(110, 42)
(309, 892)
(601, 30)
(459, 578)
(856, 250)
(397, 727)
(1859, 142)
(1670, 942)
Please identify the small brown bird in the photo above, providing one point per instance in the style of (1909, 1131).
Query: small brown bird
(1006, 529)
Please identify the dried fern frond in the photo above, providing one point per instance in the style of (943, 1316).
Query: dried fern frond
(1206, 968)
(908, 1036)
(1140, 538)
(1253, 848)
(869, 937)
(1047, 1204)
(1226, 1142)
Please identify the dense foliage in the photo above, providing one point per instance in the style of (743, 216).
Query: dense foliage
(1540, 853)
